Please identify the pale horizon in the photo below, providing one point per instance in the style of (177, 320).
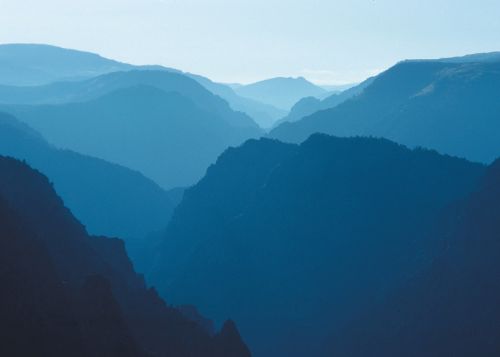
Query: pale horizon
(326, 42)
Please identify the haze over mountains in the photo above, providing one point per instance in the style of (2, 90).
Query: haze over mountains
(309, 105)
(162, 124)
(365, 223)
(35, 65)
(108, 199)
(448, 105)
(281, 92)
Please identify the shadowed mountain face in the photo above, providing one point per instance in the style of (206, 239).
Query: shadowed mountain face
(109, 199)
(282, 93)
(293, 241)
(150, 127)
(30, 64)
(451, 308)
(65, 293)
(450, 107)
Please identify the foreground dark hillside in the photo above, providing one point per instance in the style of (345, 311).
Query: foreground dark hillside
(65, 293)
(294, 241)
(451, 308)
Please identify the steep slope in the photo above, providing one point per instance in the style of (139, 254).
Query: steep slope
(280, 92)
(305, 236)
(80, 292)
(451, 309)
(33, 64)
(449, 107)
(166, 136)
(109, 199)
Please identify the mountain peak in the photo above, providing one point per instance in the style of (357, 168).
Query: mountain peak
(282, 92)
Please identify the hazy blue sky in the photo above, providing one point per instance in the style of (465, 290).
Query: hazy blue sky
(328, 41)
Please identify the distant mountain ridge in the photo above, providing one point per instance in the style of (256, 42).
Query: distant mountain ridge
(81, 91)
(280, 92)
(471, 58)
(162, 124)
(310, 105)
(40, 65)
(34, 64)
(264, 114)
(449, 107)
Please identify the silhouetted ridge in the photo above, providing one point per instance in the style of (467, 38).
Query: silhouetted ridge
(305, 237)
(230, 343)
(34, 305)
(71, 294)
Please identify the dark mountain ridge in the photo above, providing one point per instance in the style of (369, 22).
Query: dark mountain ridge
(72, 294)
(305, 237)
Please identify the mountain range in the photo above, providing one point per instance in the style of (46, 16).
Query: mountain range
(108, 199)
(34, 65)
(164, 125)
(365, 223)
(309, 105)
(294, 241)
(447, 105)
(281, 92)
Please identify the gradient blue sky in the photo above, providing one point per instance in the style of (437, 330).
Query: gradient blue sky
(327, 41)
